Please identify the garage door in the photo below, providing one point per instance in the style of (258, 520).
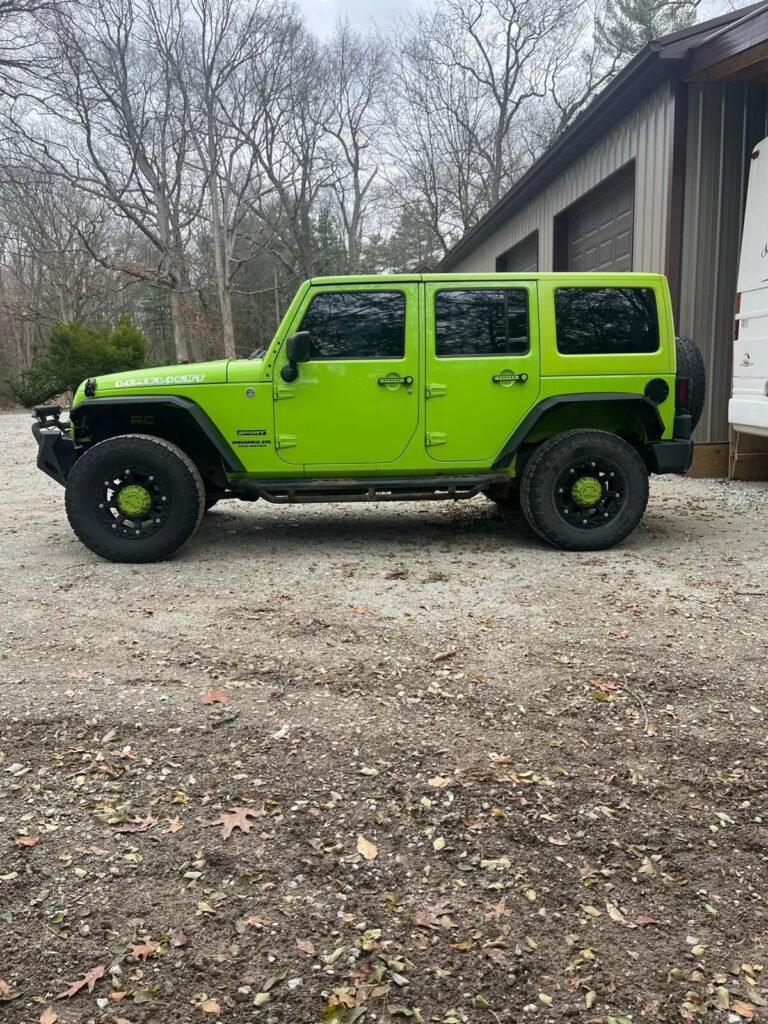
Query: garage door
(521, 258)
(599, 228)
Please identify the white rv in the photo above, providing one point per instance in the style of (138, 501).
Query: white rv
(748, 408)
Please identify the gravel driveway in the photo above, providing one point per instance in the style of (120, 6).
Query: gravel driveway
(478, 779)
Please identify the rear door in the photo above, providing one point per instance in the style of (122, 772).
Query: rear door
(482, 366)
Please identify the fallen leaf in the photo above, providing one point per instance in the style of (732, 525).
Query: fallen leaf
(143, 949)
(743, 1009)
(26, 840)
(209, 1006)
(644, 919)
(306, 945)
(215, 695)
(89, 978)
(49, 1016)
(360, 609)
(178, 939)
(604, 687)
(236, 818)
(614, 913)
(559, 842)
(138, 825)
(366, 848)
(444, 655)
(173, 825)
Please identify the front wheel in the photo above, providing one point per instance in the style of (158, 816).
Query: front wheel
(584, 490)
(134, 498)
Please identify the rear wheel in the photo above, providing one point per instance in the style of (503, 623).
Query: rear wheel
(134, 498)
(584, 490)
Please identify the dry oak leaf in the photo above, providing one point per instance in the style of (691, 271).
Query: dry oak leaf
(138, 824)
(444, 655)
(743, 1009)
(26, 840)
(236, 818)
(178, 939)
(209, 1006)
(143, 949)
(306, 945)
(89, 978)
(173, 825)
(49, 1016)
(367, 848)
(215, 695)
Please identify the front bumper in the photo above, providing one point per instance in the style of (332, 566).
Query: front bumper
(57, 452)
(669, 456)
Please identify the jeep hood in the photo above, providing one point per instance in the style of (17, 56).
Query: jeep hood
(154, 379)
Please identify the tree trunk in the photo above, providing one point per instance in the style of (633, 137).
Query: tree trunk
(180, 345)
(223, 284)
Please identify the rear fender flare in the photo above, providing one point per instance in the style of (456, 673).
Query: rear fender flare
(640, 406)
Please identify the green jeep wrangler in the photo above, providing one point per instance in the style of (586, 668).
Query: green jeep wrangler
(557, 393)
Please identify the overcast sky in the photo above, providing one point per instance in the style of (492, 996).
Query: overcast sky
(321, 15)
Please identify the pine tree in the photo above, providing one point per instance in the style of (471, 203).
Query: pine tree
(628, 25)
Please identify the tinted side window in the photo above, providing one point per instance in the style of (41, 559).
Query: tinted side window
(481, 322)
(605, 320)
(356, 325)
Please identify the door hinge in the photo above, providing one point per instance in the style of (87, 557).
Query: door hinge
(285, 441)
(436, 390)
(281, 391)
(435, 437)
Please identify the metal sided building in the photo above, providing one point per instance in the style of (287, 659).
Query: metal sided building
(651, 176)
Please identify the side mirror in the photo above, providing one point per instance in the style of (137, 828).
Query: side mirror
(298, 348)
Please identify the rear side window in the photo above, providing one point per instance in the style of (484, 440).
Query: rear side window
(356, 325)
(481, 322)
(592, 321)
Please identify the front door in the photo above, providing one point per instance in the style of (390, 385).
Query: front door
(355, 401)
(482, 366)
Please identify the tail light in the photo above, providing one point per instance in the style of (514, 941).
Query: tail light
(736, 311)
(681, 392)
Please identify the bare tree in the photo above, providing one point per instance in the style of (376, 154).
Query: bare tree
(289, 86)
(358, 75)
(485, 86)
(46, 270)
(112, 123)
(217, 42)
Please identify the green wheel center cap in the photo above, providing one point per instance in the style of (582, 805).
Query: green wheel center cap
(134, 500)
(587, 491)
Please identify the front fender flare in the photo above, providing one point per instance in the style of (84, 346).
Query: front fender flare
(198, 417)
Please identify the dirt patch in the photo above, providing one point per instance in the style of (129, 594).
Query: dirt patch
(557, 764)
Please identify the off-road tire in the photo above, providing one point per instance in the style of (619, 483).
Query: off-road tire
(690, 364)
(545, 497)
(177, 494)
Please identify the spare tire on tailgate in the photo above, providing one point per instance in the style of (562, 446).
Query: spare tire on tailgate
(690, 364)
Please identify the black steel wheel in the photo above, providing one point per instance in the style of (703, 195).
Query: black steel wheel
(584, 490)
(134, 498)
